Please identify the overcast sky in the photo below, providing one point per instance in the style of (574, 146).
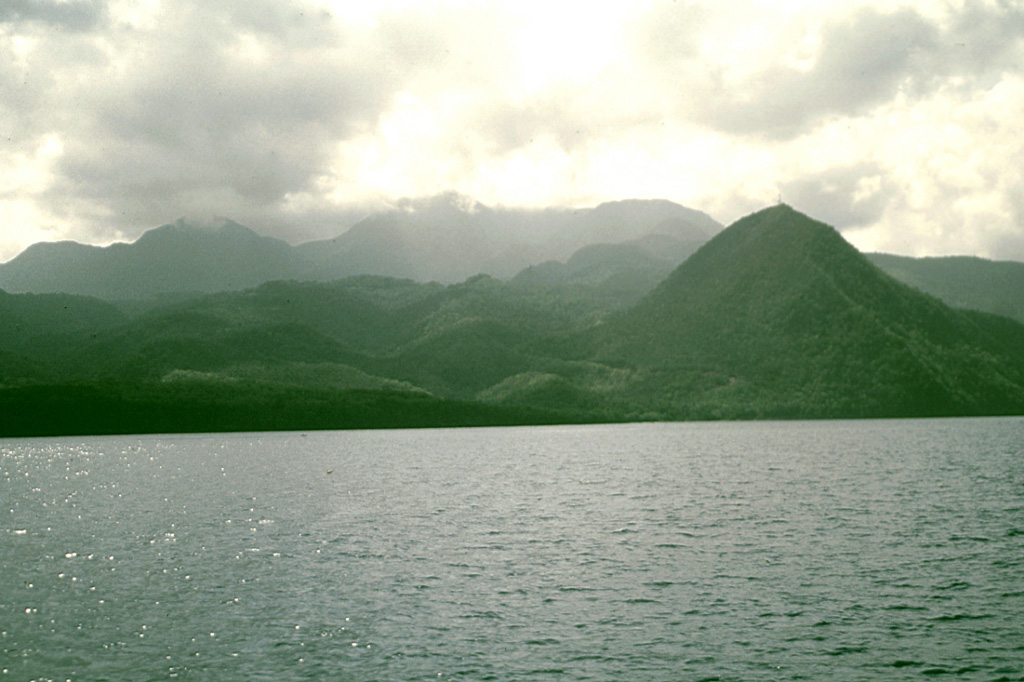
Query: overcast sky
(897, 122)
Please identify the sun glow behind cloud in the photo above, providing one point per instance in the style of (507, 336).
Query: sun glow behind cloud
(23, 177)
(895, 121)
(567, 42)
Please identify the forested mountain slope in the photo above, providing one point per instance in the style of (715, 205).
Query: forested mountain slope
(962, 281)
(779, 316)
(776, 317)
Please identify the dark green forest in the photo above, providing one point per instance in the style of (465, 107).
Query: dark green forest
(775, 317)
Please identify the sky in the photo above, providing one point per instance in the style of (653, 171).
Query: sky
(899, 123)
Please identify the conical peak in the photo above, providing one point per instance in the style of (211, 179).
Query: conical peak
(780, 217)
(777, 232)
(778, 209)
(776, 253)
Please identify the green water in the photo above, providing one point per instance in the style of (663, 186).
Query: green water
(876, 550)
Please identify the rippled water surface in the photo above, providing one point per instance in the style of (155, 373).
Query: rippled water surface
(878, 550)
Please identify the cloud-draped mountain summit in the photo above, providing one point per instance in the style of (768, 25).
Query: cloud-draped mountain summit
(450, 237)
(775, 317)
(446, 238)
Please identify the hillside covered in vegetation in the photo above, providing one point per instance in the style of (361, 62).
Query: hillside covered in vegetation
(775, 317)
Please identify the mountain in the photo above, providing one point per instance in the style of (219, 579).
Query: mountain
(447, 238)
(604, 277)
(444, 238)
(962, 281)
(451, 341)
(648, 260)
(450, 237)
(778, 316)
(181, 257)
(632, 219)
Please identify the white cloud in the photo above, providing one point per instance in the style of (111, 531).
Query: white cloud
(894, 120)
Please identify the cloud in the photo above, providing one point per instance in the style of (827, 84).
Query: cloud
(896, 121)
(73, 15)
(844, 197)
(861, 63)
(797, 74)
(1008, 243)
(984, 40)
(224, 107)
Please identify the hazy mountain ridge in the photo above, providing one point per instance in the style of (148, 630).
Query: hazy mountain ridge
(450, 237)
(962, 281)
(617, 250)
(176, 258)
(602, 278)
(447, 238)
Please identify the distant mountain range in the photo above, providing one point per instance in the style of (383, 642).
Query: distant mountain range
(174, 258)
(962, 281)
(446, 239)
(620, 250)
(450, 237)
(774, 317)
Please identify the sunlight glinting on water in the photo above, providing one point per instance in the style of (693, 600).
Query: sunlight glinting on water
(775, 551)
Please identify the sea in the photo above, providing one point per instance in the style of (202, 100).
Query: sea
(828, 550)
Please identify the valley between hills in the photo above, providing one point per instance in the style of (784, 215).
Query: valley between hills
(630, 311)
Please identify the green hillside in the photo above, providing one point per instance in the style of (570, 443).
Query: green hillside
(775, 317)
(962, 281)
(179, 257)
(778, 316)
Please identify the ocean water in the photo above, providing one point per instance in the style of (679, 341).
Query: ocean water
(874, 550)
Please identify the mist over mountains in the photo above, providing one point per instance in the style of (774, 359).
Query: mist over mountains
(446, 238)
(776, 316)
(622, 248)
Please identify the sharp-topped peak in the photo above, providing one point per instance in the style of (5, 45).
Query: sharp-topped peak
(778, 308)
(776, 212)
(774, 252)
(778, 207)
(779, 225)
